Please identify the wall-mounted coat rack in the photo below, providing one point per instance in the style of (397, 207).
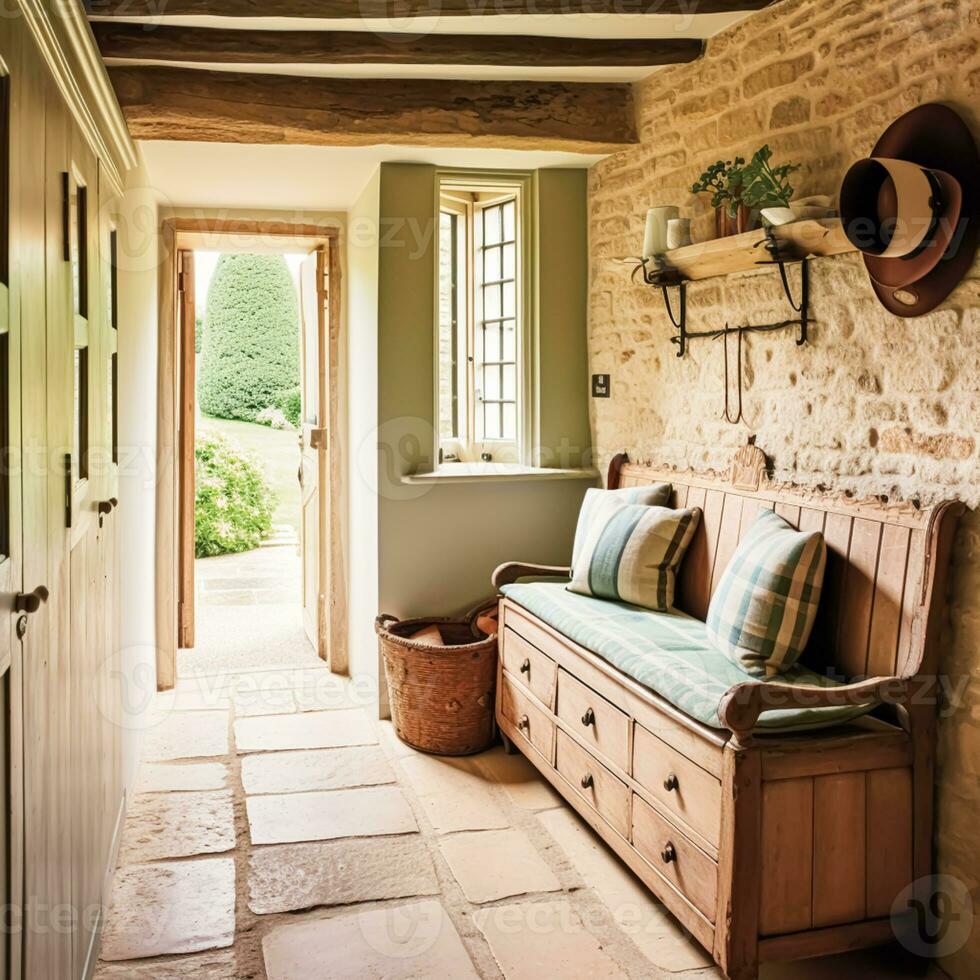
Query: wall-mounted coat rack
(778, 246)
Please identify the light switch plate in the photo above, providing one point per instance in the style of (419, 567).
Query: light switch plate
(600, 385)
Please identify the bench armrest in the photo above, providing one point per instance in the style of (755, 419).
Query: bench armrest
(741, 706)
(511, 571)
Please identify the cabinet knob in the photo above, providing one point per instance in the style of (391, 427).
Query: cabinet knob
(668, 853)
(30, 602)
(588, 718)
(587, 782)
(525, 723)
(671, 783)
(526, 666)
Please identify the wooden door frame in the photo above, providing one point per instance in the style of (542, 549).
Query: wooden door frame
(206, 233)
(186, 433)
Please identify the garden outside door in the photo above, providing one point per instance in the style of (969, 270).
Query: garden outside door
(313, 447)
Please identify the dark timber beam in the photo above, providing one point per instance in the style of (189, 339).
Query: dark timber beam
(241, 107)
(361, 9)
(133, 42)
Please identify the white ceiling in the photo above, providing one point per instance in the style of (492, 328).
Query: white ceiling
(223, 175)
(312, 178)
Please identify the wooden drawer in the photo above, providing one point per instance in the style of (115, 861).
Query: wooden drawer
(598, 722)
(675, 857)
(683, 787)
(529, 667)
(594, 783)
(529, 720)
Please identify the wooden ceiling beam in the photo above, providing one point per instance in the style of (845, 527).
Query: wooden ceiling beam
(363, 9)
(161, 103)
(194, 45)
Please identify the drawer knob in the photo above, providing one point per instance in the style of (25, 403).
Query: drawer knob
(526, 666)
(587, 781)
(588, 718)
(525, 723)
(668, 853)
(671, 783)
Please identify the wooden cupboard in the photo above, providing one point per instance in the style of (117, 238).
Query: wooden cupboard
(60, 695)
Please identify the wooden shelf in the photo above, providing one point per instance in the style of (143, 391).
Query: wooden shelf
(740, 253)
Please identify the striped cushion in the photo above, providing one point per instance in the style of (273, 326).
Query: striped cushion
(765, 605)
(599, 503)
(631, 554)
(669, 653)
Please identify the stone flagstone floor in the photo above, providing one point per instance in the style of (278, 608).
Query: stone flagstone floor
(278, 831)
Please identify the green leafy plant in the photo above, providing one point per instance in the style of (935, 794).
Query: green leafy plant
(756, 184)
(292, 405)
(250, 352)
(234, 503)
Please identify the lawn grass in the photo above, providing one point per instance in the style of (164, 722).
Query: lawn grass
(278, 452)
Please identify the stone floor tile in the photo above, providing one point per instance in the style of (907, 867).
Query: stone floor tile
(187, 735)
(177, 825)
(324, 816)
(316, 769)
(408, 942)
(393, 743)
(290, 877)
(217, 964)
(264, 702)
(525, 786)
(657, 934)
(496, 864)
(180, 777)
(544, 939)
(196, 696)
(159, 909)
(455, 796)
(309, 730)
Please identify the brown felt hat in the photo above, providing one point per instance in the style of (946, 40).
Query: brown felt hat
(913, 209)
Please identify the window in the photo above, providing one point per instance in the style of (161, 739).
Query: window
(5, 392)
(479, 331)
(113, 373)
(75, 205)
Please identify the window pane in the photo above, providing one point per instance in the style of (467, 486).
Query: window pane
(509, 392)
(491, 265)
(509, 270)
(491, 425)
(5, 179)
(79, 461)
(491, 225)
(77, 243)
(509, 290)
(510, 342)
(509, 226)
(509, 430)
(5, 460)
(491, 383)
(114, 405)
(113, 279)
(448, 326)
(491, 303)
(491, 342)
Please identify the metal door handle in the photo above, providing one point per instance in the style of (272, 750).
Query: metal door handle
(30, 602)
(588, 718)
(299, 474)
(106, 507)
(587, 781)
(671, 783)
(668, 854)
(526, 666)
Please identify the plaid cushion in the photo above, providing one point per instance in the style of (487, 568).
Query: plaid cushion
(599, 503)
(766, 602)
(631, 554)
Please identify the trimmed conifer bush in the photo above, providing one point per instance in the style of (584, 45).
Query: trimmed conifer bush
(250, 352)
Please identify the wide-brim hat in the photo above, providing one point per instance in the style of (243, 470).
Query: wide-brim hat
(912, 209)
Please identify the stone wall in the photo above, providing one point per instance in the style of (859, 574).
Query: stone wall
(873, 403)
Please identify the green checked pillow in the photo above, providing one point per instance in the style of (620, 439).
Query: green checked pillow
(631, 554)
(598, 504)
(765, 605)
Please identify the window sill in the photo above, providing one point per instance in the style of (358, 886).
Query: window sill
(496, 472)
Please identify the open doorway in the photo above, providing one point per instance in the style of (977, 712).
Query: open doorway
(253, 483)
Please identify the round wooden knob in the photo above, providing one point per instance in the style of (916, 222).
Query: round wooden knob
(588, 718)
(671, 783)
(526, 666)
(524, 723)
(668, 853)
(587, 781)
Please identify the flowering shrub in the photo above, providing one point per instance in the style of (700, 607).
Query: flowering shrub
(274, 418)
(234, 504)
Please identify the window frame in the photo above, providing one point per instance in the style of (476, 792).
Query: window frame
(5, 243)
(479, 190)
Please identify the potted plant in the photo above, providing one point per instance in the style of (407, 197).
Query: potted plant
(739, 190)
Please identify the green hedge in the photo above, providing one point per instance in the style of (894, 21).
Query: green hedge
(250, 352)
(234, 504)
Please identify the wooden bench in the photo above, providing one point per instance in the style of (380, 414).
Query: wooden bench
(764, 847)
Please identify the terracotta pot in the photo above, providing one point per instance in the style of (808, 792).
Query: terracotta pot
(746, 219)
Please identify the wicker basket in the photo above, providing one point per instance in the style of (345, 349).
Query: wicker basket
(441, 696)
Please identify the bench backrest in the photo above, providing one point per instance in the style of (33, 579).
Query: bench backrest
(886, 561)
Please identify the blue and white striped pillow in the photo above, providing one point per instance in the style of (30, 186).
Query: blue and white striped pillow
(764, 608)
(632, 555)
(599, 504)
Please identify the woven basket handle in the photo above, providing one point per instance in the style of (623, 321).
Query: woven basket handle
(383, 621)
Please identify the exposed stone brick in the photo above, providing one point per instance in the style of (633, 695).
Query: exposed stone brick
(874, 403)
